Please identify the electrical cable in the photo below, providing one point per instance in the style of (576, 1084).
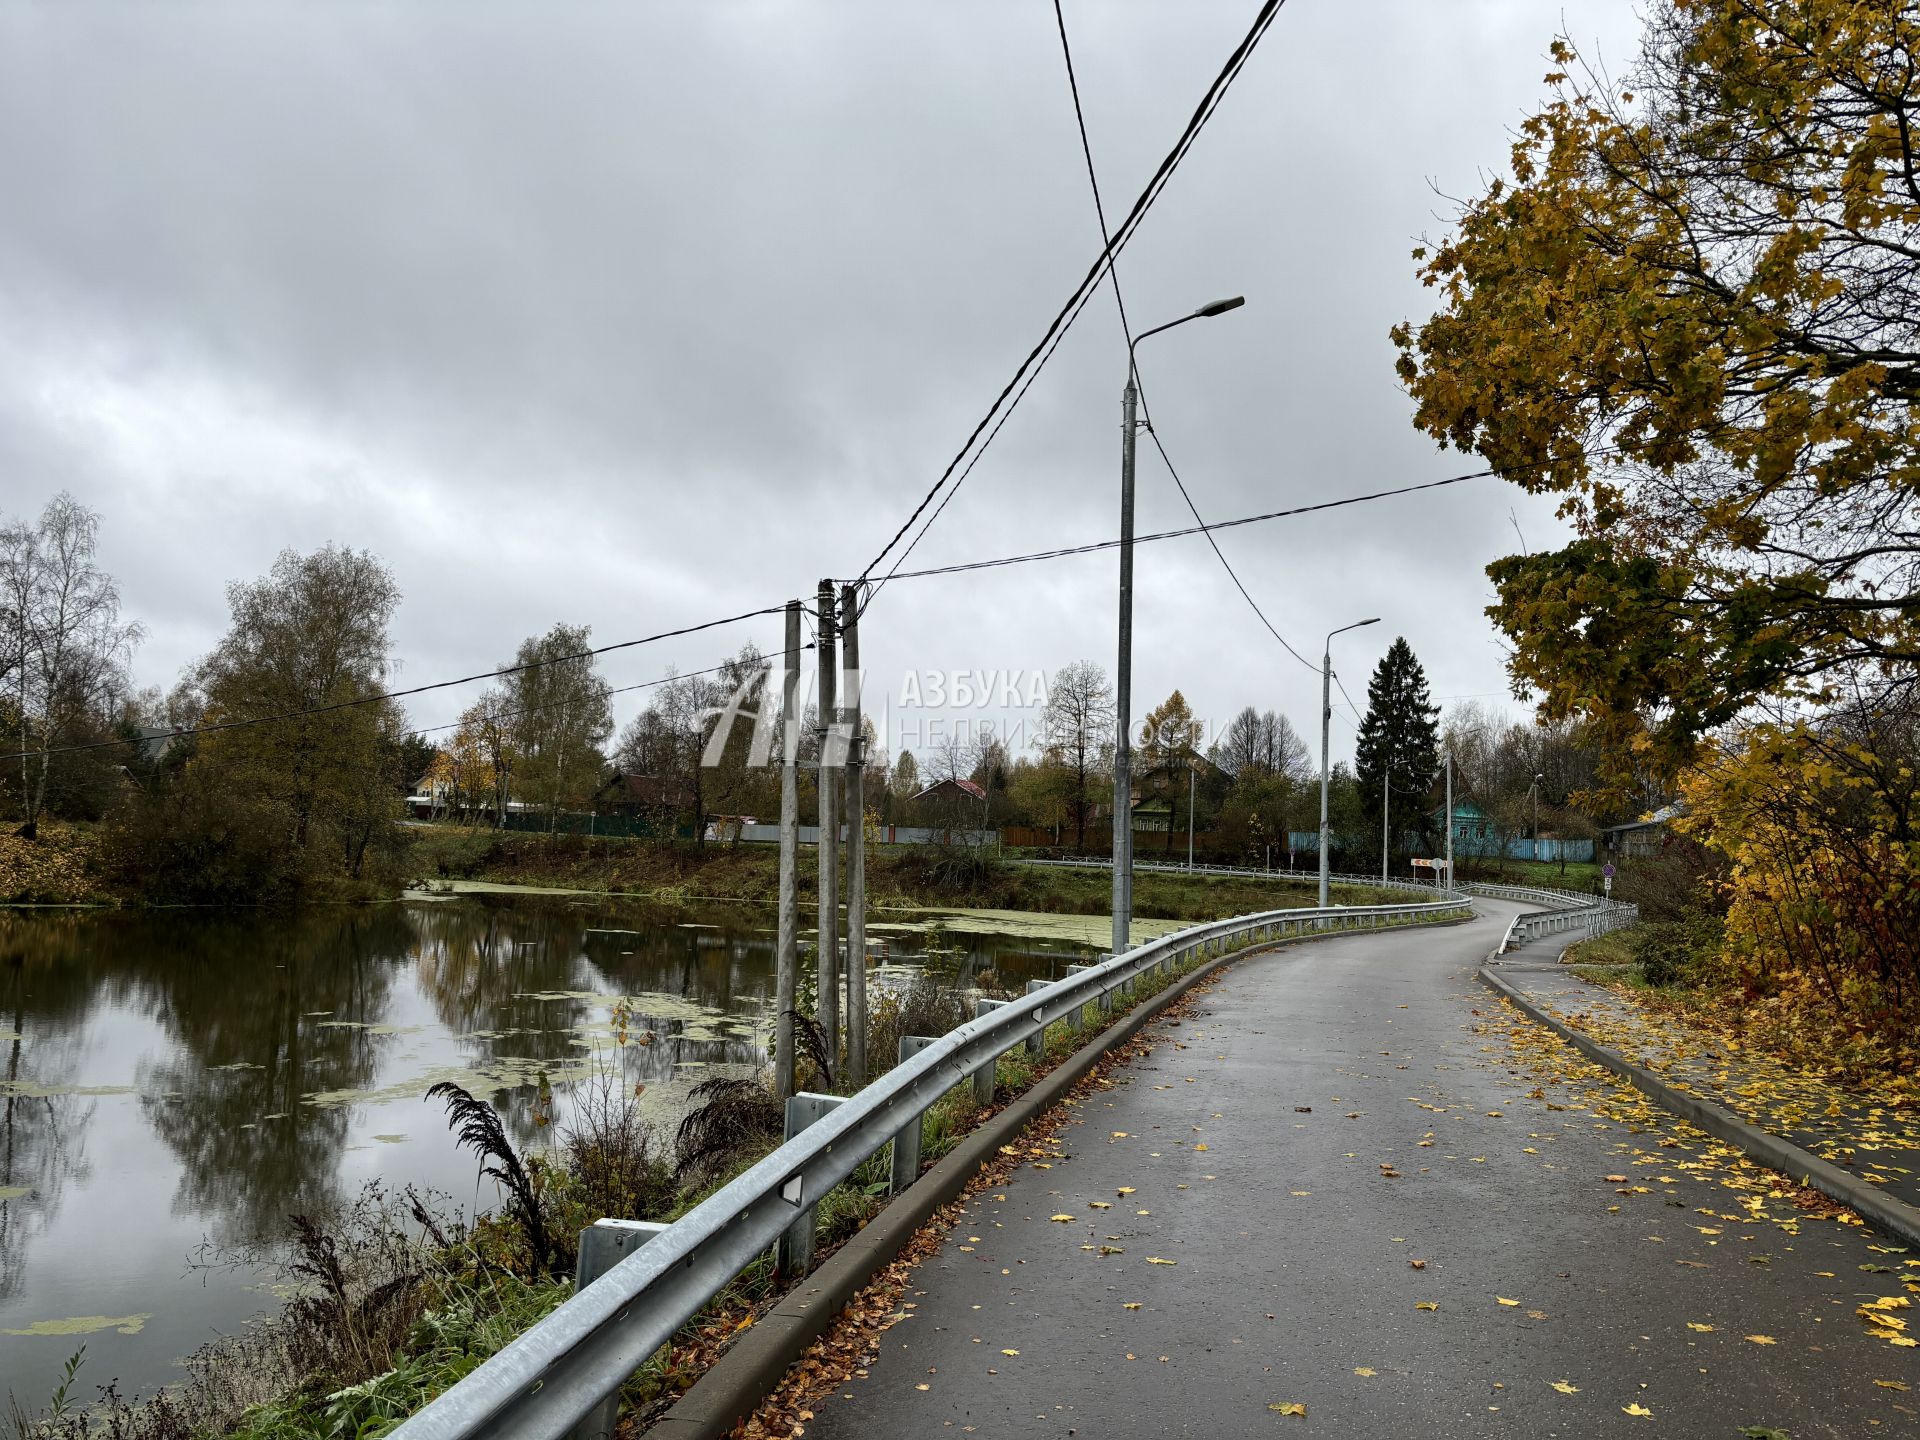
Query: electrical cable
(219, 726)
(1076, 301)
(1092, 547)
(1126, 329)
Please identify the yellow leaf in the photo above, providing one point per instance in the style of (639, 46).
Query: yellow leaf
(1130, 1305)
(1428, 1305)
(1289, 1407)
(1636, 1410)
(1762, 1339)
(1156, 1260)
(1062, 1219)
(1566, 1387)
(1009, 1352)
(1696, 1325)
(1201, 1146)
(1363, 1370)
(1504, 1301)
(1124, 1190)
(1101, 1204)
(1891, 1384)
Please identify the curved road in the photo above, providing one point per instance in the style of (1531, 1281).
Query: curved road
(1323, 1117)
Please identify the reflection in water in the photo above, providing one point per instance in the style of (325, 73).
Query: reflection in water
(173, 1077)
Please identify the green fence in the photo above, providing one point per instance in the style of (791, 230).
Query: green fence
(633, 827)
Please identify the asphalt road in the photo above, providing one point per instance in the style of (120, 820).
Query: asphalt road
(1251, 1149)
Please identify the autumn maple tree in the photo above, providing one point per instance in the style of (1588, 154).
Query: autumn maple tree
(1691, 312)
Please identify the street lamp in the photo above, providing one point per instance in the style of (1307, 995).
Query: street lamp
(1326, 717)
(1535, 788)
(1123, 681)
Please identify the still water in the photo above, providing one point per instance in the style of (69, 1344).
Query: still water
(176, 1084)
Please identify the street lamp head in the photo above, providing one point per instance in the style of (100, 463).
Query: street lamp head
(1374, 621)
(1220, 307)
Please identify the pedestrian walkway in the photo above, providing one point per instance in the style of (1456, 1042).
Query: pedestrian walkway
(1349, 1190)
(1878, 1143)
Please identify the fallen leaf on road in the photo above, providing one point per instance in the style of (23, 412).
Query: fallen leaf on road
(1504, 1301)
(1156, 1260)
(1289, 1407)
(1130, 1305)
(1062, 1219)
(1763, 1339)
(1201, 1146)
(1636, 1410)
(1696, 1325)
(1892, 1384)
(1566, 1387)
(1614, 1179)
(1009, 1352)
(1417, 1264)
(923, 1387)
(1101, 1204)
(1124, 1190)
(1428, 1305)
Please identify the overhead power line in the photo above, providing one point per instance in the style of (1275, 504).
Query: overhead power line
(1076, 301)
(617, 690)
(359, 701)
(1064, 551)
(1113, 274)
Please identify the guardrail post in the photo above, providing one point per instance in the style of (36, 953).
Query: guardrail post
(905, 1168)
(1106, 996)
(603, 1245)
(983, 1077)
(1081, 1011)
(793, 1255)
(1036, 1042)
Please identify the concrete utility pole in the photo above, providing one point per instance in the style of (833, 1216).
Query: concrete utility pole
(1123, 677)
(787, 950)
(1326, 722)
(827, 1001)
(856, 839)
(1450, 884)
(1386, 793)
(1123, 684)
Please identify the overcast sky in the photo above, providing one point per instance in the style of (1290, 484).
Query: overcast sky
(643, 314)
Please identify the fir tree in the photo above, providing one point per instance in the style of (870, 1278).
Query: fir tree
(1399, 741)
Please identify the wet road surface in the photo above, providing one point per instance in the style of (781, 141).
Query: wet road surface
(1348, 1179)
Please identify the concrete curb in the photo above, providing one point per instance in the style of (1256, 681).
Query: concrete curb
(756, 1363)
(1890, 1216)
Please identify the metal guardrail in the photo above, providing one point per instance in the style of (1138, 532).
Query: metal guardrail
(1306, 877)
(1568, 912)
(1585, 921)
(1533, 894)
(564, 1368)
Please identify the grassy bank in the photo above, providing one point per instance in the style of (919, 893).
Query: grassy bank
(898, 876)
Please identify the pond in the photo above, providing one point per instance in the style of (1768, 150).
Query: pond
(175, 1084)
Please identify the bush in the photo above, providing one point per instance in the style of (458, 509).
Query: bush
(1670, 952)
(614, 1160)
(924, 1007)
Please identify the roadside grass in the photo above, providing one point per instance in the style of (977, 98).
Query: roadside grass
(899, 877)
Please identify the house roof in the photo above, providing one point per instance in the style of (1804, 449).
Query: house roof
(966, 787)
(646, 789)
(1658, 817)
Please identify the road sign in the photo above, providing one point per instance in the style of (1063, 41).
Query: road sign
(1607, 870)
(1429, 864)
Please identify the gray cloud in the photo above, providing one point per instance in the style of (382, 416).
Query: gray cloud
(637, 315)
